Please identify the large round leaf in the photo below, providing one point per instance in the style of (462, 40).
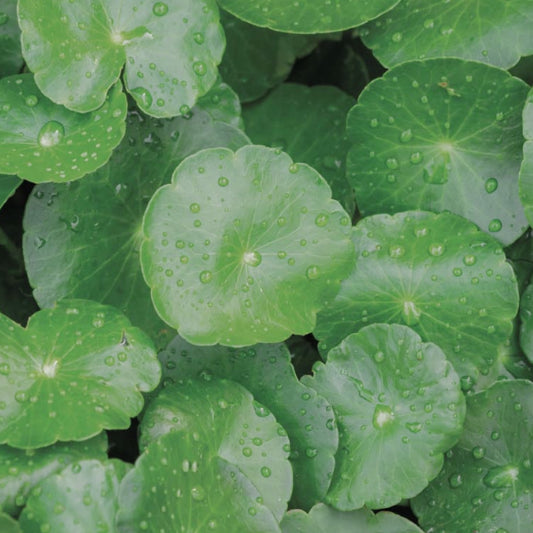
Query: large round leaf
(82, 497)
(177, 485)
(227, 424)
(526, 170)
(256, 59)
(8, 524)
(436, 273)
(244, 247)
(397, 402)
(65, 254)
(266, 371)
(8, 184)
(497, 33)
(308, 16)
(10, 54)
(171, 50)
(42, 141)
(309, 124)
(442, 134)
(74, 370)
(487, 480)
(324, 519)
(22, 470)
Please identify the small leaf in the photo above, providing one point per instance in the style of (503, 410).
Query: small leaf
(170, 51)
(10, 54)
(83, 495)
(287, 119)
(8, 524)
(8, 185)
(22, 470)
(74, 370)
(417, 29)
(307, 16)
(436, 273)
(265, 370)
(41, 141)
(486, 483)
(397, 401)
(441, 134)
(227, 424)
(244, 247)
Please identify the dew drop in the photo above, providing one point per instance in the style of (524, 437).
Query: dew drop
(321, 220)
(199, 68)
(455, 481)
(223, 181)
(206, 276)
(495, 225)
(143, 96)
(436, 249)
(406, 136)
(415, 158)
(31, 100)
(51, 134)
(396, 37)
(160, 9)
(312, 272)
(478, 452)
(198, 494)
(252, 258)
(265, 471)
(491, 185)
(392, 163)
(410, 313)
(198, 38)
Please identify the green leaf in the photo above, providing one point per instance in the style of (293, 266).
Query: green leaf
(74, 370)
(10, 54)
(65, 254)
(223, 104)
(307, 16)
(526, 322)
(419, 29)
(324, 519)
(287, 119)
(526, 170)
(442, 134)
(436, 273)
(227, 424)
(42, 141)
(8, 524)
(77, 53)
(244, 247)
(82, 497)
(266, 371)
(397, 401)
(178, 485)
(257, 59)
(486, 483)
(8, 185)
(22, 470)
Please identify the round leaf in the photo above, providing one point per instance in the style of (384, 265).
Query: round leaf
(436, 273)
(82, 497)
(244, 247)
(10, 54)
(177, 485)
(8, 185)
(307, 16)
(22, 470)
(171, 50)
(416, 29)
(442, 134)
(42, 141)
(526, 322)
(288, 118)
(397, 402)
(486, 483)
(223, 104)
(526, 170)
(226, 425)
(8, 524)
(74, 370)
(266, 371)
(65, 254)
(324, 519)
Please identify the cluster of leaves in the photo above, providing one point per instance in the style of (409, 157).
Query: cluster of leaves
(313, 307)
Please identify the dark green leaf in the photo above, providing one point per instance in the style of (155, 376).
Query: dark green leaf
(526, 170)
(10, 54)
(8, 185)
(8, 524)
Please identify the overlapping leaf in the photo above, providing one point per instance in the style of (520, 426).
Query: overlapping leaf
(74, 370)
(442, 134)
(8, 524)
(438, 274)
(526, 170)
(265, 370)
(244, 247)
(8, 185)
(10, 54)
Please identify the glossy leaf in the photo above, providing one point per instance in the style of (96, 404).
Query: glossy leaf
(486, 483)
(177, 484)
(498, 33)
(436, 273)
(8, 524)
(77, 54)
(257, 59)
(244, 247)
(442, 134)
(256, 444)
(8, 185)
(526, 170)
(309, 124)
(307, 16)
(266, 371)
(22, 470)
(397, 401)
(74, 370)
(82, 497)
(10, 54)
(65, 254)
(324, 519)
(42, 141)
